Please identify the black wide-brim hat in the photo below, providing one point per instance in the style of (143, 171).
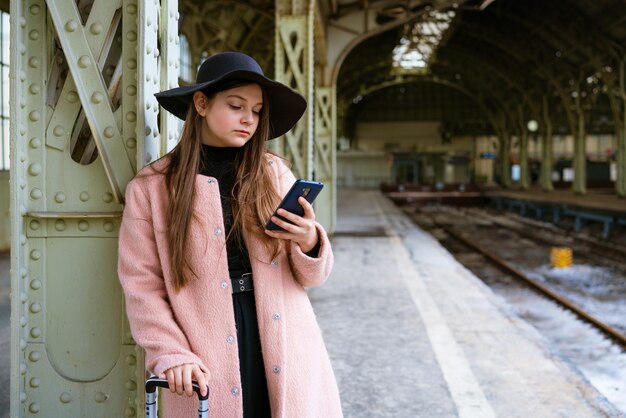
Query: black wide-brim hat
(286, 106)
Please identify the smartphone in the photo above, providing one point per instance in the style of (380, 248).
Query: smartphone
(306, 188)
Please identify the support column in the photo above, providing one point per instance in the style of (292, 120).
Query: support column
(620, 183)
(580, 151)
(505, 158)
(523, 150)
(75, 148)
(546, 150)
(325, 157)
(295, 68)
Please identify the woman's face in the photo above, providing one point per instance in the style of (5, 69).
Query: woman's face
(231, 116)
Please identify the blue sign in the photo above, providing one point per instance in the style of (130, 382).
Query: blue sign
(491, 155)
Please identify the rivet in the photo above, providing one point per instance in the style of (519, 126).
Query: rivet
(23, 321)
(131, 385)
(34, 356)
(96, 28)
(131, 360)
(130, 412)
(36, 194)
(101, 397)
(59, 225)
(107, 197)
(65, 397)
(34, 169)
(131, 64)
(23, 370)
(23, 344)
(24, 273)
(148, 49)
(58, 130)
(35, 254)
(59, 197)
(131, 116)
(83, 225)
(148, 158)
(22, 157)
(84, 196)
(71, 25)
(34, 407)
(131, 36)
(34, 224)
(131, 9)
(109, 132)
(22, 22)
(131, 90)
(84, 61)
(148, 105)
(148, 77)
(33, 35)
(22, 49)
(34, 89)
(97, 97)
(34, 116)
(108, 226)
(72, 96)
(34, 9)
(35, 332)
(148, 22)
(33, 62)
(22, 76)
(35, 307)
(148, 131)
(35, 284)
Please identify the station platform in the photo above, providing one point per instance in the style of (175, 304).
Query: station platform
(412, 333)
(595, 199)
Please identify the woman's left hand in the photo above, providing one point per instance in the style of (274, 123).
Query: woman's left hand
(302, 229)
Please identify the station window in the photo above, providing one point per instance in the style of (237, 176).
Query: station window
(185, 71)
(5, 37)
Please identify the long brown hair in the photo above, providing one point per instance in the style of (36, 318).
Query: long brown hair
(254, 196)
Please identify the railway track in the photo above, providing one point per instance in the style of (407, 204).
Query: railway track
(609, 331)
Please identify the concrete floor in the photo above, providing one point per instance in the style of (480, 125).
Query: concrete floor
(412, 333)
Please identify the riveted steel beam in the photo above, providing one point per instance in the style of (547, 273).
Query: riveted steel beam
(93, 95)
(294, 66)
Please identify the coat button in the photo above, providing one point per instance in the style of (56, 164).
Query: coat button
(218, 231)
(223, 285)
(277, 316)
(230, 339)
(276, 369)
(234, 391)
(274, 263)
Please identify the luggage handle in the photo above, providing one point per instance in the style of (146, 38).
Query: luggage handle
(155, 382)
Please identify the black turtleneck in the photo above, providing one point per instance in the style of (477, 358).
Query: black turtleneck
(218, 162)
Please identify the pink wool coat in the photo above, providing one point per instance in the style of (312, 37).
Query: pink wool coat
(196, 325)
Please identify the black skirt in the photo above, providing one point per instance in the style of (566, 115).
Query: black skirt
(253, 381)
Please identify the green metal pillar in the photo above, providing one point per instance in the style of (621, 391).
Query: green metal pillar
(325, 157)
(620, 183)
(74, 149)
(295, 67)
(523, 151)
(505, 158)
(546, 150)
(580, 151)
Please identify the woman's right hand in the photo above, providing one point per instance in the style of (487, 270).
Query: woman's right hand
(179, 379)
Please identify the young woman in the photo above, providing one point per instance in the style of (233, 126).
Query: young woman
(210, 294)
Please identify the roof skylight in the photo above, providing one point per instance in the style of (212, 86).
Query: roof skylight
(419, 41)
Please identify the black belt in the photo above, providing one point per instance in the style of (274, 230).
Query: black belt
(242, 282)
